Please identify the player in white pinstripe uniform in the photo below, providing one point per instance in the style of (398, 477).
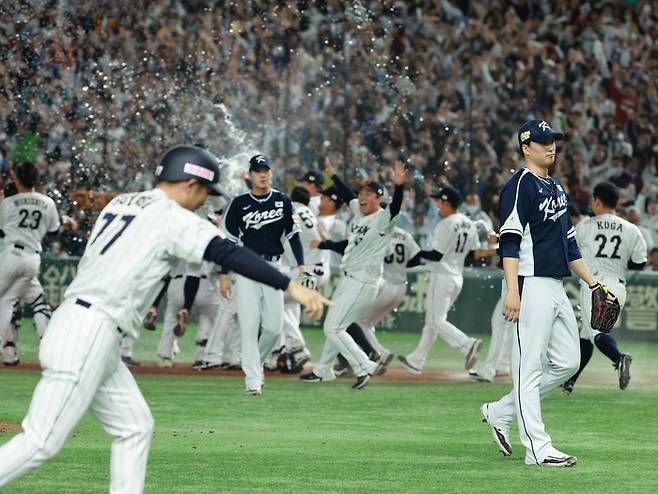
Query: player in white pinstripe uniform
(363, 258)
(454, 238)
(25, 218)
(609, 245)
(133, 247)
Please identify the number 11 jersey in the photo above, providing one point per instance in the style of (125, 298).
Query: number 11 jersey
(607, 242)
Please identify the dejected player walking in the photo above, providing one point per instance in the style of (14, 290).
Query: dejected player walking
(538, 247)
(610, 245)
(133, 246)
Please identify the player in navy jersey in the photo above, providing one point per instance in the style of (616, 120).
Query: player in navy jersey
(259, 219)
(538, 247)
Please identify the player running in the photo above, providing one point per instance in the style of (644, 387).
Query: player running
(133, 246)
(610, 245)
(363, 259)
(453, 240)
(538, 246)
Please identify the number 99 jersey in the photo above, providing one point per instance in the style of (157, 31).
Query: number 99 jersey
(607, 242)
(26, 217)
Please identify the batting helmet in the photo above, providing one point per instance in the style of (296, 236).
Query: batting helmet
(190, 162)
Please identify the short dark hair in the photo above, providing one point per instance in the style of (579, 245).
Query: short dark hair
(607, 193)
(301, 195)
(27, 173)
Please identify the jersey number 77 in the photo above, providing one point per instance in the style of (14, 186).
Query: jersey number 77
(109, 219)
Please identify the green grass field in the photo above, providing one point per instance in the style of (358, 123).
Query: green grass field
(391, 437)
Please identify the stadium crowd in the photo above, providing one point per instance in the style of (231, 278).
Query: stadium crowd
(93, 92)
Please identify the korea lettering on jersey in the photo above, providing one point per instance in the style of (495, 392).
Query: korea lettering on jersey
(260, 222)
(529, 207)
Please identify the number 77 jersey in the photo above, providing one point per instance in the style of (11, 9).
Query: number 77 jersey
(607, 242)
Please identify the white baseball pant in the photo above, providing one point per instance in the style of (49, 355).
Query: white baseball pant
(545, 353)
(17, 269)
(352, 299)
(389, 297)
(500, 348)
(442, 292)
(82, 370)
(224, 339)
(259, 307)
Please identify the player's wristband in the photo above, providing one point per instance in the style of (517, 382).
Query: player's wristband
(595, 285)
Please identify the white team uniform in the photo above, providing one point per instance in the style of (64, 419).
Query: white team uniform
(362, 262)
(291, 335)
(223, 345)
(135, 243)
(336, 229)
(206, 302)
(454, 237)
(607, 242)
(25, 218)
(391, 292)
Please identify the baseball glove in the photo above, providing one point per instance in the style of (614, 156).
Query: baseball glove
(605, 309)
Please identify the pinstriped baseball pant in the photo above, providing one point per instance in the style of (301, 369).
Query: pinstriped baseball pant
(17, 268)
(82, 370)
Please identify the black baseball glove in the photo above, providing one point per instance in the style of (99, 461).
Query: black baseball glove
(605, 308)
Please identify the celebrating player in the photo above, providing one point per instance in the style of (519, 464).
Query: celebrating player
(609, 245)
(133, 246)
(538, 246)
(259, 219)
(454, 238)
(363, 258)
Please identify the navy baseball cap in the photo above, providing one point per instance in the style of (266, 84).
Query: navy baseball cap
(448, 193)
(259, 161)
(314, 177)
(332, 193)
(538, 131)
(375, 187)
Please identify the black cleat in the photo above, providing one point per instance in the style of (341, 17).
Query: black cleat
(149, 320)
(310, 378)
(182, 319)
(361, 381)
(559, 461)
(130, 362)
(567, 387)
(623, 367)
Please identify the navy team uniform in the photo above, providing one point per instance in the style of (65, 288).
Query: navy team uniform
(259, 223)
(537, 230)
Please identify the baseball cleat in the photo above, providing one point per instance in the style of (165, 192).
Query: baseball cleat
(253, 392)
(472, 355)
(182, 319)
(361, 381)
(479, 377)
(311, 378)
(500, 438)
(165, 363)
(149, 320)
(382, 362)
(12, 363)
(129, 361)
(624, 370)
(343, 370)
(567, 387)
(9, 356)
(405, 363)
(558, 459)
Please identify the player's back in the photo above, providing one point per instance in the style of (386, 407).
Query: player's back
(607, 242)
(26, 217)
(402, 248)
(454, 237)
(136, 241)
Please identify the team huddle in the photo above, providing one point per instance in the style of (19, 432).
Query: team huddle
(251, 264)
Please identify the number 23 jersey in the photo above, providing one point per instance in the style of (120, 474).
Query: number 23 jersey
(454, 237)
(607, 242)
(26, 217)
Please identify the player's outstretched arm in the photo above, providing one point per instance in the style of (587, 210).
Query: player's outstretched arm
(312, 301)
(398, 175)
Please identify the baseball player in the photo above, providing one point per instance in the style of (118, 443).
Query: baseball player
(133, 246)
(538, 246)
(331, 226)
(455, 236)
(313, 182)
(401, 250)
(259, 219)
(363, 254)
(223, 347)
(610, 245)
(25, 218)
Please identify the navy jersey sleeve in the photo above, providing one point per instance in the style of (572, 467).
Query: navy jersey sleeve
(515, 203)
(573, 252)
(231, 222)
